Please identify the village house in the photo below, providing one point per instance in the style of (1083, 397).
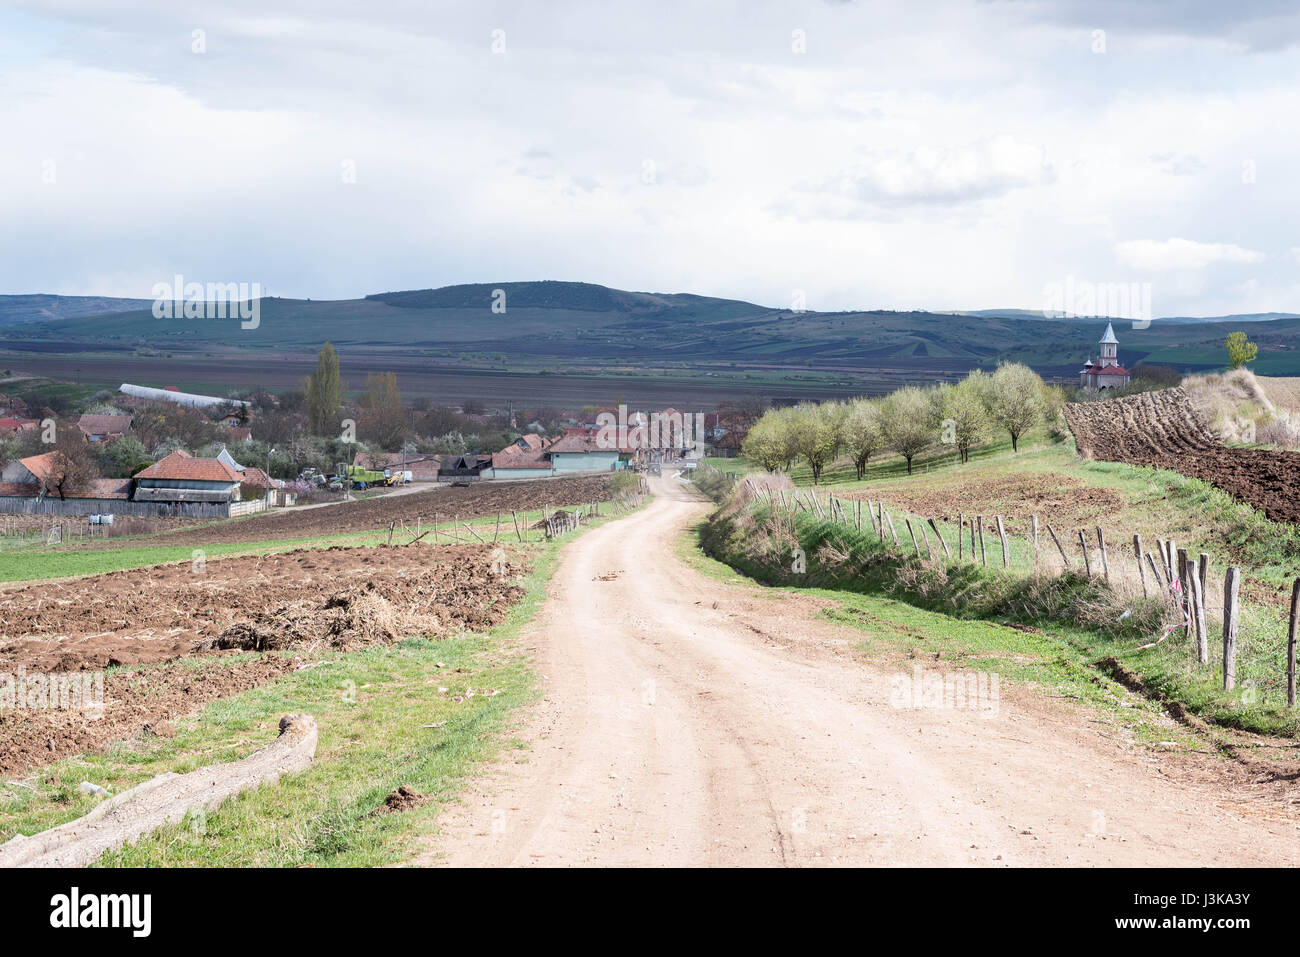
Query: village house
(11, 426)
(525, 458)
(582, 450)
(1106, 373)
(180, 477)
(178, 484)
(38, 476)
(257, 485)
(101, 428)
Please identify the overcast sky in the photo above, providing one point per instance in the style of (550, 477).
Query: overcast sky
(918, 154)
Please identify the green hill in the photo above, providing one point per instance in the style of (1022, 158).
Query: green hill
(572, 327)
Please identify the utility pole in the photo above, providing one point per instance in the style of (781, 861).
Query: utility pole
(270, 487)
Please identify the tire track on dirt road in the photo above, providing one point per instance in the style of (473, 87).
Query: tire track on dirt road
(687, 721)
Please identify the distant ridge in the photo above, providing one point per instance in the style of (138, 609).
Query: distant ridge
(552, 294)
(562, 328)
(555, 294)
(15, 310)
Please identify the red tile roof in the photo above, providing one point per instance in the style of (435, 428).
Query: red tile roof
(579, 441)
(1113, 370)
(532, 444)
(255, 476)
(104, 424)
(19, 489)
(183, 467)
(520, 462)
(39, 465)
(107, 488)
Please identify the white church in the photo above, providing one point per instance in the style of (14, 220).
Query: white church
(1106, 372)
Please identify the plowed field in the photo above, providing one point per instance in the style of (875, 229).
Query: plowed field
(344, 518)
(287, 604)
(1161, 429)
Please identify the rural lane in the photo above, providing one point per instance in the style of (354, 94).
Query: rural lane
(688, 721)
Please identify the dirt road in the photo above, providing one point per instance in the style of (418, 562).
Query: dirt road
(687, 721)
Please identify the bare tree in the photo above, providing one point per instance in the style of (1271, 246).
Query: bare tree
(71, 467)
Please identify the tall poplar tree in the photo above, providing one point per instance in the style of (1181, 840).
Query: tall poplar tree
(323, 393)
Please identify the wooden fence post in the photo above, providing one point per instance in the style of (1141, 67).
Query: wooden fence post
(961, 530)
(1231, 586)
(939, 535)
(893, 533)
(915, 544)
(926, 539)
(1142, 572)
(1290, 644)
(1034, 525)
(1185, 573)
(1105, 562)
(984, 558)
(1198, 616)
(1065, 561)
(1006, 546)
(1155, 571)
(1204, 569)
(1083, 547)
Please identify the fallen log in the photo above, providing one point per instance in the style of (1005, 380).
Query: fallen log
(164, 799)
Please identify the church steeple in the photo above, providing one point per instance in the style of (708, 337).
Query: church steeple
(1109, 347)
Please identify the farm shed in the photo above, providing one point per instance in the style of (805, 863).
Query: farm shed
(423, 468)
(180, 477)
(463, 468)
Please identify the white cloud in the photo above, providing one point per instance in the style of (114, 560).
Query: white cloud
(949, 154)
(958, 174)
(1177, 254)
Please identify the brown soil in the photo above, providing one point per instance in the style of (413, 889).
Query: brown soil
(290, 599)
(135, 703)
(336, 598)
(368, 515)
(403, 799)
(1160, 429)
(1016, 497)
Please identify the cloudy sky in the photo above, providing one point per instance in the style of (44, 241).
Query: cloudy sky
(912, 154)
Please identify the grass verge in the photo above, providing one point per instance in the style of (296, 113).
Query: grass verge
(387, 717)
(38, 564)
(1104, 627)
(899, 635)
